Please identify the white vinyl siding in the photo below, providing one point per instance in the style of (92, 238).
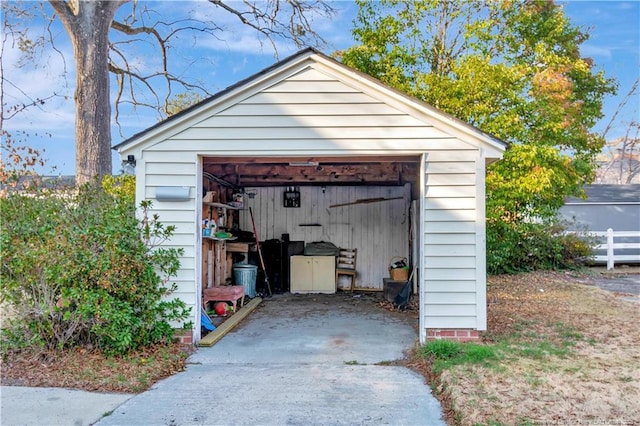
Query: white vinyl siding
(166, 171)
(312, 119)
(450, 243)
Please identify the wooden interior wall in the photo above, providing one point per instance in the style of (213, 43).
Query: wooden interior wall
(379, 230)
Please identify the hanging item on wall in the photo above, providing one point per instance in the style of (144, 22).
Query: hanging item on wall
(291, 197)
(238, 200)
(366, 201)
(209, 197)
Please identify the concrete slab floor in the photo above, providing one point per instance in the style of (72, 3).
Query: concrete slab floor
(296, 360)
(55, 406)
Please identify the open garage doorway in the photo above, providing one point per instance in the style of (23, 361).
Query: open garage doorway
(301, 205)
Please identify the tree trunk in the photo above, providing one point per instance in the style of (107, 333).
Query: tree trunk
(88, 26)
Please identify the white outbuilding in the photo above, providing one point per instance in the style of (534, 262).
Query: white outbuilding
(310, 150)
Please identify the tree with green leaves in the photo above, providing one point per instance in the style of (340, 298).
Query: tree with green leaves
(106, 39)
(182, 101)
(512, 69)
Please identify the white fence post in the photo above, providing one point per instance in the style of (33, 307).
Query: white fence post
(632, 256)
(610, 260)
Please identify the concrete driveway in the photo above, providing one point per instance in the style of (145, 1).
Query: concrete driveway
(626, 284)
(625, 281)
(296, 360)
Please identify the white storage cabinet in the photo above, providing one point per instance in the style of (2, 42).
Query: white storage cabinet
(313, 274)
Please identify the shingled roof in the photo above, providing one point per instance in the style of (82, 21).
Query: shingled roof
(609, 194)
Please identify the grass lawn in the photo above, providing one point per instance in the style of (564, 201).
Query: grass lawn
(558, 351)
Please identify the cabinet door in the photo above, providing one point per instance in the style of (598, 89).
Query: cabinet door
(301, 274)
(324, 274)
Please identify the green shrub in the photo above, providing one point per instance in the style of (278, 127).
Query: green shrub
(79, 268)
(514, 247)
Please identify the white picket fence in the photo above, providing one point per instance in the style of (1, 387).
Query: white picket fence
(611, 246)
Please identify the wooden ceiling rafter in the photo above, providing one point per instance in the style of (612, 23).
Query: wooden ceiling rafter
(317, 159)
(277, 171)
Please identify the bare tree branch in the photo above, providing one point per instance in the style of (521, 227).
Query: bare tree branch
(268, 21)
(271, 20)
(162, 43)
(18, 35)
(633, 91)
(118, 38)
(623, 155)
(16, 109)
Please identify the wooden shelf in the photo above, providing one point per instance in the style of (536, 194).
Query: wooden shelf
(219, 239)
(223, 206)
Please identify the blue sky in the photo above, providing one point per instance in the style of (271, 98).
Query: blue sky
(614, 44)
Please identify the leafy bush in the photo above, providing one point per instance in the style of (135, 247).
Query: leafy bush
(525, 191)
(79, 268)
(514, 247)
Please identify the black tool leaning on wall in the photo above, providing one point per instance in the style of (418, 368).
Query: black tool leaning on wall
(255, 232)
(401, 300)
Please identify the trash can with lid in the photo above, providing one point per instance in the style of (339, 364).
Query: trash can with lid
(245, 275)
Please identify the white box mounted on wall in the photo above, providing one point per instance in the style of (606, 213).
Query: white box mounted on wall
(172, 193)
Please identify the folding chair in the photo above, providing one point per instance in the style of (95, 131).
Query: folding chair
(346, 265)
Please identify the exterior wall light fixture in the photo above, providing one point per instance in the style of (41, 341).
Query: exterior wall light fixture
(129, 165)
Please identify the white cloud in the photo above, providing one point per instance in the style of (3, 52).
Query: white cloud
(593, 51)
(245, 41)
(626, 5)
(31, 82)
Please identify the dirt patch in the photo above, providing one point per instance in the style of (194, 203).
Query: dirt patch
(91, 370)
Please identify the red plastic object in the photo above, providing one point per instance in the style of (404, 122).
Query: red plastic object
(220, 308)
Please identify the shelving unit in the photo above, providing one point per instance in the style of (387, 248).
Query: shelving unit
(215, 210)
(216, 266)
(218, 263)
(217, 252)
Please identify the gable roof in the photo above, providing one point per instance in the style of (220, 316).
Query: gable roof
(318, 56)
